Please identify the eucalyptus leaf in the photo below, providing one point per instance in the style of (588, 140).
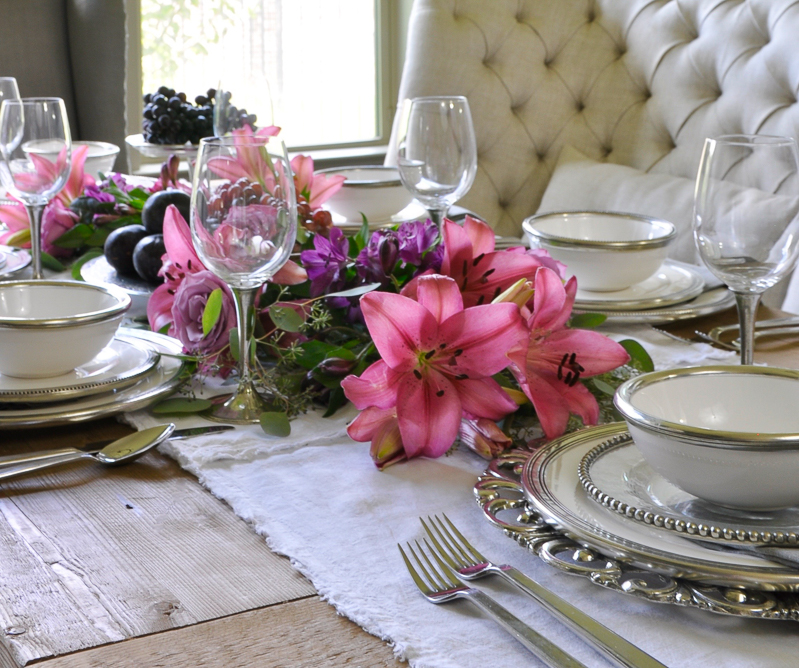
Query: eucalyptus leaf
(312, 352)
(180, 405)
(49, 262)
(286, 318)
(83, 259)
(587, 320)
(604, 387)
(74, 237)
(638, 355)
(275, 424)
(212, 311)
(234, 342)
(355, 292)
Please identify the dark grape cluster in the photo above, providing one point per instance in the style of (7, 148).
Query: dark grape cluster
(170, 119)
(241, 193)
(233, 117)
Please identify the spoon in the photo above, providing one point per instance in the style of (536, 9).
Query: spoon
(121, 451)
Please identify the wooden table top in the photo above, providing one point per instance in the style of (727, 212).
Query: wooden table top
(144, 567)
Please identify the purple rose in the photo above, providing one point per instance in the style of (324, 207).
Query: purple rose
(326, 264)
(377, 260)
(187, 314)
(414, 239)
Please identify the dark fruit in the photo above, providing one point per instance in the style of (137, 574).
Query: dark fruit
(147, 257)
(119, 247)
(152, 214)
(169, 118)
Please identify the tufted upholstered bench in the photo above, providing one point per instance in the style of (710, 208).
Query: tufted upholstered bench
(630, 85)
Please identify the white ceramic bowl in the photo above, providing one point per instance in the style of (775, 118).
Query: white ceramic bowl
(48, 328)
(100, 157)
(374, 190)
(605, 251)
(726, 434)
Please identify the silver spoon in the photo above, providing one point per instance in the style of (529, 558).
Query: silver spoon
(121, 451)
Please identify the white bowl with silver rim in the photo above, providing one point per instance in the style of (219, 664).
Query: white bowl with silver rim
(606, 251)
(100, 156)
(726, 434)
(48, 328)
(374, 190)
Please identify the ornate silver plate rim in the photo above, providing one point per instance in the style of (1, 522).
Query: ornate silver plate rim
(604, 301)
(92, 385)
(499, 489)
(679, 524)
(707, 303)
(162, 381)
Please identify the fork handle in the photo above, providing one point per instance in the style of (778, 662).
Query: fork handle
(550, 654)
(612, 645)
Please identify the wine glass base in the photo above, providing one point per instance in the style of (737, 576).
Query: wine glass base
(243, 407)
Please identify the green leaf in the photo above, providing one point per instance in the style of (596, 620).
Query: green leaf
(234, 342)
(355, 292)
(362, 238)
(212, 311)
(179, 405)
(312, 352)
(49, 262)
(286, 318)
(638, 356)
(83, 259)
(604, 387)
(275, 424)
(75, 237)
(302, 234)
(337, 400)
(587, 320)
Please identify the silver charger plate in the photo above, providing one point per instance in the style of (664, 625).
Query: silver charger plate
(615, 475)
(164, 379)
(707, 303)
(673, 283)
(121, 363)
(16, 259)
(97, 271)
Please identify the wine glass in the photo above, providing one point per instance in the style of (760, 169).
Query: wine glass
(8, 89)
(746, 218)
(30, 129)
(243, 226)
(436, 151)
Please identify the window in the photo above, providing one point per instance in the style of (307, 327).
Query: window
(325, 71)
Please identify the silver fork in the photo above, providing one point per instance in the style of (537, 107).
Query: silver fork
(438, 584)
(469, 564)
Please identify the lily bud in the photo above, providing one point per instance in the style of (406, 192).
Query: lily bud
(484, 437)
(336, 366)
(388, 252)
(386, 448)
(19, 237)
(519, 293)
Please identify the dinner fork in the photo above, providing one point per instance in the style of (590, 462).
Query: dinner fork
(469, 564)
(438, 584)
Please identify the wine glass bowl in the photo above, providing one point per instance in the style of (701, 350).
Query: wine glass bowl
(746, 217)
(437, 151)
(27, 175)
(243, 225)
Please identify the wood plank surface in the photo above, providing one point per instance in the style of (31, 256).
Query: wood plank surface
(91, 555)
(301, 634)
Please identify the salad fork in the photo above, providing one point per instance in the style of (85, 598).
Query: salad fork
(469, 564)
(438, 584)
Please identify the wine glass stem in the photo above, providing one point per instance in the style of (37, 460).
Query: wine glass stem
(747, 308)
(438, 215)
(35, 217)
(245, 298)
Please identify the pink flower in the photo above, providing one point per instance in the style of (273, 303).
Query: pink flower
(187, 313)
(484, 437)
(381, 427)
(551, 363)
(250, 161)
(480, 272)
(437, 361)
(56, 220)
(317, 188)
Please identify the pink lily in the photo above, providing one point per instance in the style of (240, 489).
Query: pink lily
(437, 361)
(317, 188)
(481, 272)
(551, 363)
(249, 161)
(484, 437)
(381, 427)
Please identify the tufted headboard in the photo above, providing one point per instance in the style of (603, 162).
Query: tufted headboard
(633, 82)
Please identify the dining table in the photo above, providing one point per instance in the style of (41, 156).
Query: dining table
(140, 565)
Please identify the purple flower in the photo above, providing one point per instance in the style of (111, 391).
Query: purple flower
(187, 314)
(95, 193)
(326, 264)
(414, 239)
(377, 260)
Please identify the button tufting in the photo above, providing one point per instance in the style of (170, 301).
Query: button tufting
(548, 61)
(606, 151)
(541, 155)
(580, 106)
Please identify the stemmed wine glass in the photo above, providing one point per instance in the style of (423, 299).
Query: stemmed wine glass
(436, 151)
(746, 218)
(243, 226)
(8, 89)
(29, 129)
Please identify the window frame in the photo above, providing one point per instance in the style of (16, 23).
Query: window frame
(391, 17)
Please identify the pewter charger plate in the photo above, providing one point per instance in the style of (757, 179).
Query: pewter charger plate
(615, 475)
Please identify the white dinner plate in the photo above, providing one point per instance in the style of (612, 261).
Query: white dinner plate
(673, 283)
(15, 260)
(162, 381)
(551, 484)
(121, 363)
(414, 211)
